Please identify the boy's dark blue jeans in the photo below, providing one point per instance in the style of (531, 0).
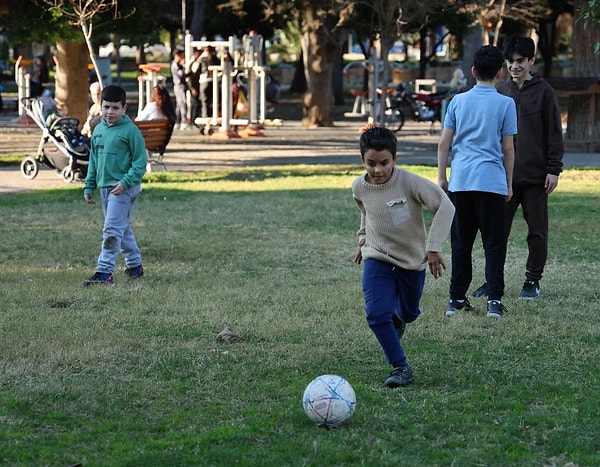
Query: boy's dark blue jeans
(484, 212)
(390, 290)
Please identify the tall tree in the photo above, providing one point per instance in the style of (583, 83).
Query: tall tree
(81, 13)
(71, 69)
(322, 25)
(32, 20)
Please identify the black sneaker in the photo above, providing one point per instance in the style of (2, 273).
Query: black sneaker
(482, 291)
(99, 278)
(454, 306)
(400, 376)
(135, 272)
(495, 309)
(399, 326)
(530, 290)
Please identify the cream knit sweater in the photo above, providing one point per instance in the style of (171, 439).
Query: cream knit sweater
(392, 222)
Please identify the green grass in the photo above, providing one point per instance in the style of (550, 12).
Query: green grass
(132, 374)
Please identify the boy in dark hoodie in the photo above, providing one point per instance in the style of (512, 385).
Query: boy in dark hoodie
(538, 156)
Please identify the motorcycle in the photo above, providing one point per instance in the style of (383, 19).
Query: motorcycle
(419, 106)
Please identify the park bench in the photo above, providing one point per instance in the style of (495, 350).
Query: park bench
(157, 134)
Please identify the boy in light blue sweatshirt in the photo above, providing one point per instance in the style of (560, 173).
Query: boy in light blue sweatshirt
(116, 167)
(479, 128)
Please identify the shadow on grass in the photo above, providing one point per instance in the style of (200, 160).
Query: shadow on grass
(252, 174)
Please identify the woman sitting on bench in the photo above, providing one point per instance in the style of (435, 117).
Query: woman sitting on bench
(160, 107)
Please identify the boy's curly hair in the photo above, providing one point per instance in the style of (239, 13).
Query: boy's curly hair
(377, 138)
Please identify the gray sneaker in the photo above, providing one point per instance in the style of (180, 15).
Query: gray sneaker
(454, 306)
(530, 290)
(400, 376)
(495, 309)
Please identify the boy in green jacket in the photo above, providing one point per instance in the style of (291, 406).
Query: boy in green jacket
(116, 167)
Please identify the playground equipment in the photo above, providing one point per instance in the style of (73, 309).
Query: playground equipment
(23, 80)
(367, 102)
(237, 58)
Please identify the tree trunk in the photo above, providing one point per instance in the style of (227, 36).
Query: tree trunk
(72, 78)
(337, 82)
(198, 18)
(473, 41)
(547, 39)
(584, 110)
(320, 49)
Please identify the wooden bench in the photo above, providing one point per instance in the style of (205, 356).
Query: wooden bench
(157, 134)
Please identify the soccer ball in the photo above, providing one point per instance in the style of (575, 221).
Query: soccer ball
(329, 400)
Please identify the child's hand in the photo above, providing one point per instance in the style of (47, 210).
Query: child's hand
(443, 184)
(551, 183)
(117, 189)
(358, 256)
(89, 199)
(436, 263)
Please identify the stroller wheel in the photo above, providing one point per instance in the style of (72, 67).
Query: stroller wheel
(68, 174)
(29, 168)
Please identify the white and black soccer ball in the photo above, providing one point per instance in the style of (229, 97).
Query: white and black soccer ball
(329, 400)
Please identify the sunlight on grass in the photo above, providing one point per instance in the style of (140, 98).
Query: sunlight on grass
(133, 374)
(317, 177)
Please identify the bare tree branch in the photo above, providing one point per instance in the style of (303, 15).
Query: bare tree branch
(81, 13)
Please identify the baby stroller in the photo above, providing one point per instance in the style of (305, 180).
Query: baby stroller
(62, 147)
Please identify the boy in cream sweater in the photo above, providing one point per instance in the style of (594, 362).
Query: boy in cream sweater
(394, 244)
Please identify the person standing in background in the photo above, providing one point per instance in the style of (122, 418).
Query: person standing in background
(193, 83)
(479, 126)
(39, 77)
(179, 89)
(539, 150)
(207, 59)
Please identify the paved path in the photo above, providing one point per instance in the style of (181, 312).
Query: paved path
(190, 151)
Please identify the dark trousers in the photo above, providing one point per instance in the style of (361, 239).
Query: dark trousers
(390, 290)
(534, 201)
(483, 212)
(194, 106)
(206, 99)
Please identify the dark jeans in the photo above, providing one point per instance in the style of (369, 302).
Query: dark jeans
(194, 106)
(534, 201)
(483, 212)
(206, 99)
(390, 290)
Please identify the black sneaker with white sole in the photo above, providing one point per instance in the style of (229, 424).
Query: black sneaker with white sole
(530, 290)
(454, 306)
(495, 309)
(400, 376)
